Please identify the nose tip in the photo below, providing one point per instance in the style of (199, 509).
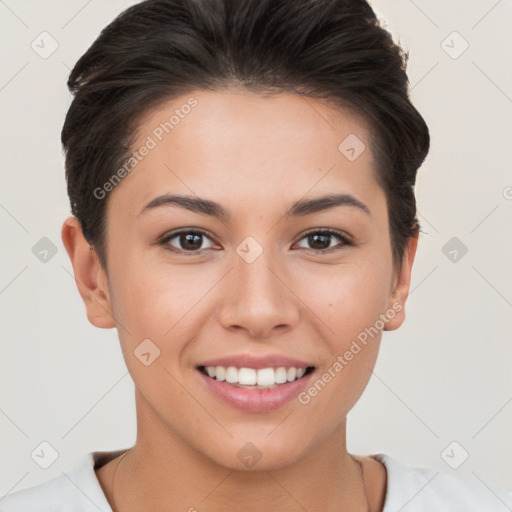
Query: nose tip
(257, 300)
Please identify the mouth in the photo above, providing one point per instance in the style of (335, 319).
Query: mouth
(256, 378)
(255, 390)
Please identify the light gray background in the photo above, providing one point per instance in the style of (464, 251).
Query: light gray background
(443, 377)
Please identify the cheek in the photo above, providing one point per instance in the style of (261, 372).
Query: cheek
(350, 304)
(162, 303)
(348, 299)
(152, 308)
(150, 299)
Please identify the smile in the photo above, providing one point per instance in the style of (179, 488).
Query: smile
(252, 378)
(255, 390)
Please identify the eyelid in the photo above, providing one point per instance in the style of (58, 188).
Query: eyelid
(348, 239)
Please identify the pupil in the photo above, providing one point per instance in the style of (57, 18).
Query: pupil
(313, 239)
(189, 241)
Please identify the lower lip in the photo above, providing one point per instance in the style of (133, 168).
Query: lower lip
(256, 400)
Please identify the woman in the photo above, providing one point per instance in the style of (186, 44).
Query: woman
(241, 177)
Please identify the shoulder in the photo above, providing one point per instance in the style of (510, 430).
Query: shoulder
(77, 490)
(415, 489)
(55, 495)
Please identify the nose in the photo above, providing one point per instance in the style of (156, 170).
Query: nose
(259, 298)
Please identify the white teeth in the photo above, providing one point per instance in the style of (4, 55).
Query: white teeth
(266, 377)
(263, 377)
(291, 373)
(220, 373)
(247, 376)
(281, 375)
(231, 374)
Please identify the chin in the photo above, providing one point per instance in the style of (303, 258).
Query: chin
(260, 454)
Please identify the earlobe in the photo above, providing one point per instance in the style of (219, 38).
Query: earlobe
(90, 277)
(398, 297)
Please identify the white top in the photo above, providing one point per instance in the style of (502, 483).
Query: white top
(408, 490)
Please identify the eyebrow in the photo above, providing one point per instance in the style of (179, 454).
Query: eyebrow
(298, 209)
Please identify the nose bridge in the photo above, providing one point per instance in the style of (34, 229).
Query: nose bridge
(257, 297)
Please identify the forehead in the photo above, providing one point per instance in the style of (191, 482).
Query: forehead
(236, 142)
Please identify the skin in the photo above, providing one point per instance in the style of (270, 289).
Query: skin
(254, 155)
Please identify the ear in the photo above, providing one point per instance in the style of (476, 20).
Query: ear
(399, 294)
(90, 277)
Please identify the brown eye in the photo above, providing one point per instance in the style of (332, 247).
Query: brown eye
(186, 241)
(320, 241)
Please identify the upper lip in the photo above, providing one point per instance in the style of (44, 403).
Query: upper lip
(257, 362)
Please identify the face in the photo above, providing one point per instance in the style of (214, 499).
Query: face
(265, 282)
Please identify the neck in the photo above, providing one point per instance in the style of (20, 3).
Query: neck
(162, 472)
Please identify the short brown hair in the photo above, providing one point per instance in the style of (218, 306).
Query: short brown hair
(159, 49)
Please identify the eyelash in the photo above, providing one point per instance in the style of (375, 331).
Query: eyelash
(164, 241)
